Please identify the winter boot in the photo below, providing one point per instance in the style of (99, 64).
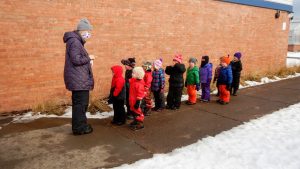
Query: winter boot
(87, 130)
(137, 126)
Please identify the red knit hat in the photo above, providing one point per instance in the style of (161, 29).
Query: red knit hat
(178, 58)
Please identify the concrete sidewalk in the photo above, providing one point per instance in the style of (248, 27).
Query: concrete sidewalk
(48, 143)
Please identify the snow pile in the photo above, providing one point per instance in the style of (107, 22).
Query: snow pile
(271, 142)
(262, 81)
(31, 116)
(265, 80)
(293, 59)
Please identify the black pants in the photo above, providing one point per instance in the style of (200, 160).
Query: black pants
(80, 102)
(119, 111)
(129, 112)
(174, 96)
(159, 99)
(235, 84)
(217, 85)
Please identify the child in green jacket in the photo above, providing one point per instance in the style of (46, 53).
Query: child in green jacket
(192, 81)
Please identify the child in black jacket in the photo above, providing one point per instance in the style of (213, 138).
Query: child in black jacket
(129, 65)
(237, 67)
(176, 83)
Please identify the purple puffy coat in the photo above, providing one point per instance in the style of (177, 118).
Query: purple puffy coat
(78, 73)
(205, 73)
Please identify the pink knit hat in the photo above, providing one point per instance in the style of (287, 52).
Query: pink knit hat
(158, 63)
(178, 58)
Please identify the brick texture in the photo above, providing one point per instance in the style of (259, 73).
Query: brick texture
(32, 50)
(294, 48)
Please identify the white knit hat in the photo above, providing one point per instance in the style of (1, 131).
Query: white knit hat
(138, 73)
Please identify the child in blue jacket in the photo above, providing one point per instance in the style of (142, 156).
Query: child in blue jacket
(224, 81)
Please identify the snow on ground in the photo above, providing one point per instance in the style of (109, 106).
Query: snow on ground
(265, 80)
(30, 116)
(293, 59)
(270, 142)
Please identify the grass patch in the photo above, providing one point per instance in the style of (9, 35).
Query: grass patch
(98, 105)
(50, 107)
(281, 73)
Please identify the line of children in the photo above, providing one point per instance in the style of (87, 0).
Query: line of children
(139, 82)
(176, 83)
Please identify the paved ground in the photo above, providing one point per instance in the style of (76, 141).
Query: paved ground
(48, 143)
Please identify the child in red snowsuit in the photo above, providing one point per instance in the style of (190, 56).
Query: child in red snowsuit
(118, 95)
(136, 95)
(147, 102)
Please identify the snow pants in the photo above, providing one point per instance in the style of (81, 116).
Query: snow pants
(224, 94)
(192, 92)
(80, 102)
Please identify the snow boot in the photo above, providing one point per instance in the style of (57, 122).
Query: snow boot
(137, 126)
(87, 130)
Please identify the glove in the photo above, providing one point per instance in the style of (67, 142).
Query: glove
(198, 87)
(137, 104)
(110, 100)
(228, 87)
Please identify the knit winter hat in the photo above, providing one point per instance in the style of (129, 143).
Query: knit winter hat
(238, 55)
(178, 58)
(147, 66)
(226, 60)
(206, 60)
(84, 25)
(129, 62)
(138, 73)
(158, 63)
(193, 60)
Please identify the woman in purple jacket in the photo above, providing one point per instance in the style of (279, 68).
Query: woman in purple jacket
(205, 73)
(78, 75)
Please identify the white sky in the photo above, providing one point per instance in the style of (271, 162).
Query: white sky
(296, 9)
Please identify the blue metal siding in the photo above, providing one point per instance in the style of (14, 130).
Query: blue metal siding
(263, 4)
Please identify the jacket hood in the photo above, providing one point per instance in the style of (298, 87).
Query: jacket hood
(195, 68)
(180, 67)
(117, 70)
(70, 35)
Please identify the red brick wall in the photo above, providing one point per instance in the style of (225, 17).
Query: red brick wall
(32, 50)
(294, 48)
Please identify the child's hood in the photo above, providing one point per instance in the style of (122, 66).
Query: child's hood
(195, 68)
(209, 65)
(117, 70)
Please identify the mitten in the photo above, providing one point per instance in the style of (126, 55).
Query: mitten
(137, 104)
(162, 90)
(228, 87)
(198, 87)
